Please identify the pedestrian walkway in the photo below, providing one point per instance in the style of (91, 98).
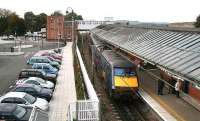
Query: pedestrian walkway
(65, 92)
(177, 107)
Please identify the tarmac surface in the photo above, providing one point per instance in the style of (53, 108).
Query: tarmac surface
(10, 66)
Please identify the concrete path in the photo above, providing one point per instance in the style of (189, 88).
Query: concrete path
(65, 92)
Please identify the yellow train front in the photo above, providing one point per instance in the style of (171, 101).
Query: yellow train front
(119, 73)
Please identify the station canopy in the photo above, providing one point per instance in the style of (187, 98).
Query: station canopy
(174, 50)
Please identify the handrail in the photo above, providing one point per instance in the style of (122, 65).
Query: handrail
(90, 89)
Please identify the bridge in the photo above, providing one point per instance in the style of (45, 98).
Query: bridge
(86, 25)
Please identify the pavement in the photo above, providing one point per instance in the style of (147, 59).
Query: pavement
(5, 42)
(11, 53)
(177, 107)
(65, 92)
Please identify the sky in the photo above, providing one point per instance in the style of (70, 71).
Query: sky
(133, 10)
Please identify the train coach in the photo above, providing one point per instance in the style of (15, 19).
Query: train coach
(119, 74)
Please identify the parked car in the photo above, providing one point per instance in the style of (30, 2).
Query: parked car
(34, 90)
(14, 112)
(36, 81)
(23, 98)
(52, 55)
(26, 73)
(53, 59)
(47, 68)
(42, 59)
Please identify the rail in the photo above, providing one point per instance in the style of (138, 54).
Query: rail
(84, 110)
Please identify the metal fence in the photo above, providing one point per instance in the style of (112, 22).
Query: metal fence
(84, 110)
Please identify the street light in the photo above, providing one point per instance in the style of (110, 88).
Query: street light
(15, 38)
(72, 22)
(59, 34)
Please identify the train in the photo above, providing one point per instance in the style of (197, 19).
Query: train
(119, 74)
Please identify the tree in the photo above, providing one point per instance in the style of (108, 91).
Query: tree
(12, 23)
(43, 20)
(197, 23)
(3, 25)
(57, 13)
(30, 22)
(5, 12)
(68, 16)
(21, 28)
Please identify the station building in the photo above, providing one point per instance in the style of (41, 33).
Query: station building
(173, 50)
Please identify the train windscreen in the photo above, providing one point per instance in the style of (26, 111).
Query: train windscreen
(124, 72)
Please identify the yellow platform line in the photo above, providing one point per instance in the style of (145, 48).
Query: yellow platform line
(164, 105)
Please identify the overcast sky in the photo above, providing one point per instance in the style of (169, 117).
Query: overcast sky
(136, 10)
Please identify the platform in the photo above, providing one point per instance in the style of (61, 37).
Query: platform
(65, 91)
(177, 107)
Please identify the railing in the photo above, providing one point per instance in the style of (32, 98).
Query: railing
(84, 110)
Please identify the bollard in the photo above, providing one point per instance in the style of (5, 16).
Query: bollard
(11, 49)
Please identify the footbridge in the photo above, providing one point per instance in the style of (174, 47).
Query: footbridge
(86, 25)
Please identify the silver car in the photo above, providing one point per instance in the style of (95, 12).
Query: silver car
(36, 81)
(22, 99)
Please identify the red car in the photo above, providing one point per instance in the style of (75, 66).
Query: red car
(52, 55)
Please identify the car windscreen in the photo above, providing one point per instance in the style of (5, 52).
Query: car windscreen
(29, 98)
(50, 58)
(37, 88)
(19, 112)
(51, 67)
(41, 80)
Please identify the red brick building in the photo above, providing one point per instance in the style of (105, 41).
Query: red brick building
(57, 28)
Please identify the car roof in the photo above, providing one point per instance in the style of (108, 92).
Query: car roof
(38, 57)
(33, 78)
(14, 94)
(32, 70)
(41, 64)
(7, 107)
(25, 85)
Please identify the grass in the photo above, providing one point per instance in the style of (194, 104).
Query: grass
(79, 81)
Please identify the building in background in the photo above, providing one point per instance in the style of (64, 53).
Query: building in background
(69, 29)
(55, 28)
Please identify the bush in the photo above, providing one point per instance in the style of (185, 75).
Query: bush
(197, 23)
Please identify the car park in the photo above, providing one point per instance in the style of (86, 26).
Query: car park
(42, 59)
(52, 55)
(23, 98)
(53, 59)
(47, 68)
(26, 73)
(36, 81)
(34, 90)
(14, 112)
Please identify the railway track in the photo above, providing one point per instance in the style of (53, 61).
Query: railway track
(128, 110)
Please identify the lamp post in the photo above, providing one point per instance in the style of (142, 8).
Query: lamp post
(15, 38)
(59, 34)
(72, 23)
